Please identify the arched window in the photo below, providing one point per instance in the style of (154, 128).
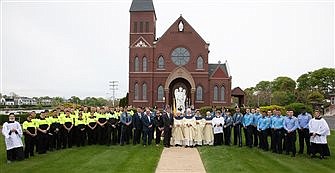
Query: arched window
(199, 93)
(161, 63)
(144, 64)
(144, 91)
(200, 63)
(160, 93)
(216, 93)
(136, 91)
(222, 93)
(137, 64)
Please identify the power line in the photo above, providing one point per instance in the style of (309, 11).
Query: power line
(113, 86)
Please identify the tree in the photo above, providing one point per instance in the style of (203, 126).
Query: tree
(263, 93)
(75, 99)
(283, 84)
(282, 98)
(124, 101)
(57, 101)
(304, 82)
(322, 80)
(315, 97)
(251, 99)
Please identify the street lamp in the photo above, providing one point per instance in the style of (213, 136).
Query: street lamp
(256, 93)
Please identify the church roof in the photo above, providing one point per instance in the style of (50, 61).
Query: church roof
(213, 67)
(142, 5)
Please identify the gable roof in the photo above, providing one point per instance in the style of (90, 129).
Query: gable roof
(185, 23)
(142, 5)
(237, 91)
(213, 67)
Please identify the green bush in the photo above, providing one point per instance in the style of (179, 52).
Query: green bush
(273, 107)
(297, 108)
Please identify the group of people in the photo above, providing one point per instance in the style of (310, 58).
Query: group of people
(64, 127)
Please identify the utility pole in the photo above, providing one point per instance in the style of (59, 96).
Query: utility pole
(113, 86)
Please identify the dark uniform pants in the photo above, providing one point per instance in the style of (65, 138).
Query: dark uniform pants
(290, 142)
(237, 135)
(304, 137)
(42, 139)
(29, 142)
(278, 141)
(227, 135)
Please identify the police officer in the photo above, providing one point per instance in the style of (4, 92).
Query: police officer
(303, 131)
(263, 127)
(91, 130)
(255, 132)
(30, 133)
(42, 134)
(80, 123)
(55, 126)
(237, 124)
(247, 125)
(278, 129)
(290, 125)
(126, 121)
(102, 126)
(67, 130)
(228, 119)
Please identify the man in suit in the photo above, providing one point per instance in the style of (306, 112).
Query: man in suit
(137, 126)
(167, 124)
(147, 127)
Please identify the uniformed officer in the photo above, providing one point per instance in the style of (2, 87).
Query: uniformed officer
(91, 130)
(290, 125)
(55, 126)
(228, 119)
(80, 123)
(255, 132)
(247, 125)
(278, 129)
(237, 124)
(126, 121)
(42, 134)
(30, 133)
(303, 131)
(102, 126)
(67, 130)
(263, 127)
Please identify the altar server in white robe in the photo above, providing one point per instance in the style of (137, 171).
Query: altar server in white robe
(13, 133)
(199, 128)
(218, 123)
(208, 130)
(189, 128)
(319, 130)
(177, 131)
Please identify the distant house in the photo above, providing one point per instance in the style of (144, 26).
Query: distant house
(25, 101)
(332, 99)
(2, 101)
(9, 101)
(46, 101)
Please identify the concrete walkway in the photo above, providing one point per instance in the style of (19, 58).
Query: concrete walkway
(180, 159)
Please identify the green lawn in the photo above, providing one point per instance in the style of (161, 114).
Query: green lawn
(88, 159)
(234, 159)
(139, 159)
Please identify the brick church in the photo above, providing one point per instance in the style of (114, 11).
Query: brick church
(179, 58)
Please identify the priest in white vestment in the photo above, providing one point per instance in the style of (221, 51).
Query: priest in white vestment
(319, 130)
(13, 133)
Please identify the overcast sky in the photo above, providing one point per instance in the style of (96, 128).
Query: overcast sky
(65, 48)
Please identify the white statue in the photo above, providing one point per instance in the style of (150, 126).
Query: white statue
(180, 95)
(181, 26)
